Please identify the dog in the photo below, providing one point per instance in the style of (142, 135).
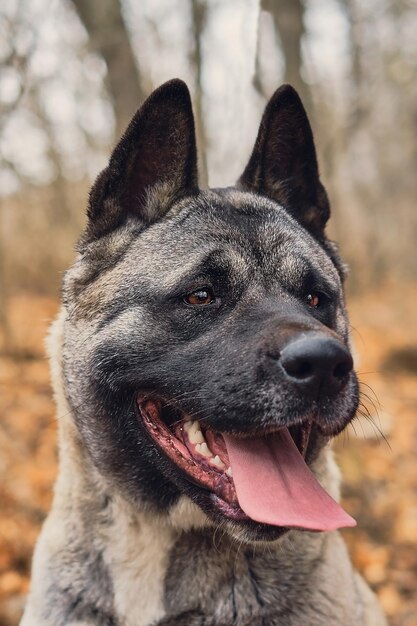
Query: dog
(201, 366)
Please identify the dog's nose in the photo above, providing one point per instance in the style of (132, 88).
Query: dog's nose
(318, 364)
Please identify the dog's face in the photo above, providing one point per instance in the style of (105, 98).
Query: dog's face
(202, 324)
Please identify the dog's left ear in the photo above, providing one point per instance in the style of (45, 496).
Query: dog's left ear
(283, 164)
(153, 165)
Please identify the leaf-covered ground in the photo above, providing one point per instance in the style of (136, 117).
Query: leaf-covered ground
(377, 455)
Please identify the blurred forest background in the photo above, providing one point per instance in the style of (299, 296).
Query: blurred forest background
(73, 72)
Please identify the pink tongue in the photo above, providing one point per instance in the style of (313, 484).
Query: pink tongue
(275, 486)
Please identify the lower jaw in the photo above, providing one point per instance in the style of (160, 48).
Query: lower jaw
(232, 511)
(241, 527)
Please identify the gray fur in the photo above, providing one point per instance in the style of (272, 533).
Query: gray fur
(129, 540)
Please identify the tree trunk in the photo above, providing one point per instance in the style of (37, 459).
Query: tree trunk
(289, 25)
(104, 23)
(198, 13)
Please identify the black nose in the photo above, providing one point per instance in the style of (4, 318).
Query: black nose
(319, 364)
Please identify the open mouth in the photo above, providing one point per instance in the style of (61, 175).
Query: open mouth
(261, 476)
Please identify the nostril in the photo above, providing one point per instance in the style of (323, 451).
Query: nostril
(298, 368)
(342, 369)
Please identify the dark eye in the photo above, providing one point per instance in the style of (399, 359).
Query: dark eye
(200, 297)
(313, 300)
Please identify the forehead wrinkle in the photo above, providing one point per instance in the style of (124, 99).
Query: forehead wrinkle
(299, 260)
(228, 257)
(166, 266)
(289, 254)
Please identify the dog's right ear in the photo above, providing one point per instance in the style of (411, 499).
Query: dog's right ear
(157, 153)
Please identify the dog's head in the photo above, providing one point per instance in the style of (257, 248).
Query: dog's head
(206, 338)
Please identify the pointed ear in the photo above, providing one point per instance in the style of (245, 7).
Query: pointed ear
(283, 164)
(154, 164)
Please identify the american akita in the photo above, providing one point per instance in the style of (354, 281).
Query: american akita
(201, 366)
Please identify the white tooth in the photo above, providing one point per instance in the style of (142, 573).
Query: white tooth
(217, 462)
(202, 448)
(229, 472)
(195, 436)
(194, 426)
(194, 433)
(187, 425)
